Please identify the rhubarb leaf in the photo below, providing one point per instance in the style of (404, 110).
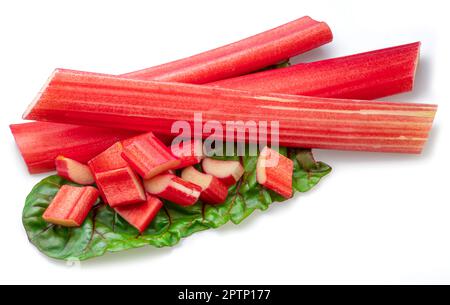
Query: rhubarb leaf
(105, 231)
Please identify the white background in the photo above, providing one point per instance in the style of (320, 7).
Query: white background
(378, 218)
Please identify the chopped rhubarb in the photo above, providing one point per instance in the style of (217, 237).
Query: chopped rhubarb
(366, 76)
(141, 215)
(110, 159)
(213, 191)
(228, 172)
(307, 122)
(74, 171)
(188, 152)
(120, 187)
(41, 142)
(71, 205)
(275, 171)
(148, 156)
(247, 55)
(174, 189)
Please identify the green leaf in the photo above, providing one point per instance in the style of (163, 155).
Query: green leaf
(105, 231)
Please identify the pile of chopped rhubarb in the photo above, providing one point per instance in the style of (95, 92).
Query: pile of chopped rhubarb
(111, 137)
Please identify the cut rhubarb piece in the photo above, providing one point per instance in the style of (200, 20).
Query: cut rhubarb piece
(120, 187)
(71, 205)
(248, 55)
(41, 142)
(307, 122)
(275, 171)
(366, 76)
(74, 171)
(141, 215)
(213, 191)
(110, 159)
(228, 172)
(173, 189)
(188, 152)
(148, 156)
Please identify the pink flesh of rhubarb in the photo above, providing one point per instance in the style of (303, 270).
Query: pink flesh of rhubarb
(173, 189)
(276, 176)
(213, 191)
(71, 205)
(250, 54)
(120, 187)
(141, 215)
(228, 172)
(74, 171)
(366, 76)
(148, 156)
(362, 76)
(308, 122)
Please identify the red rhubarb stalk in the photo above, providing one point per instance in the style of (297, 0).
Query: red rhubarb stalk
(148, 156)
(228, 172)
(117, 182)
(247, 55)
(365, 76)
(74, 171)
(41, 142)
(309, 122)
(120, 187)
(274, 171)
(174, 189)
(188, 152)
(141, 215)
(213, 191)
(71, 205)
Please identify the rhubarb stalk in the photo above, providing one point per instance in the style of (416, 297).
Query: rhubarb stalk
(74, 171)
(247, 55)
(141, 215)
(365, 76)
(148, 156)
(71, 205)
(213, 191)
(173, 189)
(362, 76)
(308, 122)
(274, 171)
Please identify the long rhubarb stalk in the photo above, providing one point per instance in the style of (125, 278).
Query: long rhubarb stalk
(244, 56)
(41, 142)
(363, 76)
(366, 76)
(309, 122)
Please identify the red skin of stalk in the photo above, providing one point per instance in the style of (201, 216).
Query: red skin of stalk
(190, 153)
(247, 55)
(276, 178)
(230, 178)
(306, 122)
(213, 191)
(141, 215)
(175, 190)
(74, 171)
(120, 187)
(71, 205)
(362, 76)
(41, 142)
(148, 156)
(110, 159)
(365, 76)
